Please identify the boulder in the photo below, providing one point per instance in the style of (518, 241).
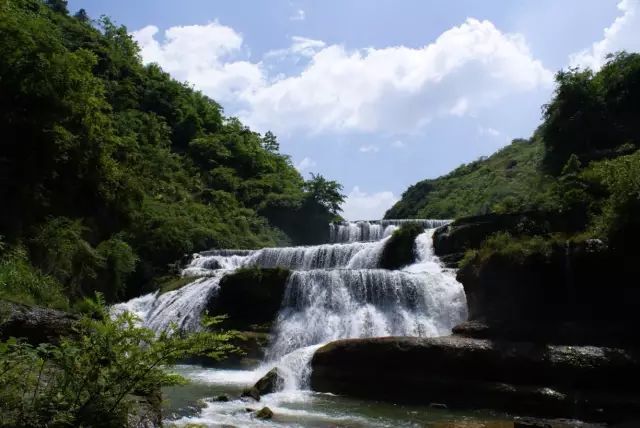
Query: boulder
(527, 378)
(269, 383)
(264, 413)
(35, 324)
(251, 393)
(399, 250)
(251, 298)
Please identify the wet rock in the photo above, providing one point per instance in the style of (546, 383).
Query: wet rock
(520, 377)
(269, 383)
(251, 393)
(222, 398)
(35, 324)
(264, 413)
(438, 406)
(249, 296)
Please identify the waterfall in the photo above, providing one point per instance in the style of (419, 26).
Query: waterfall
(335, 291)
(374, 230)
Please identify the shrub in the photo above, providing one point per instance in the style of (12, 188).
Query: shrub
(89, 380)
(21, 282)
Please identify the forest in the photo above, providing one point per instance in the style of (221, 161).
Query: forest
(111, 170)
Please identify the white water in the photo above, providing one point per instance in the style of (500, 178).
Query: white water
(359, 231)
(335, 291)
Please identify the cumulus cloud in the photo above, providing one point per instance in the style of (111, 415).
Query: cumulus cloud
(305, 164)
(395, 89)
(299, 15)
(622, 34)
(360, 205)
(369, 149)
(398, 144)
(200, 54)
(399, 89)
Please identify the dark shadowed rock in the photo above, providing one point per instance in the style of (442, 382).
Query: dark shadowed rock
(269, 383)
(251, 393)
(35, 324)
(528, 378)
(250, 297)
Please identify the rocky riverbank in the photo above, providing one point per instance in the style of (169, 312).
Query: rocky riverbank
(583, 382)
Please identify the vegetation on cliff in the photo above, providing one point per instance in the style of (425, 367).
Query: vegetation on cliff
(582, 159)
(593, 117)
(111, 170)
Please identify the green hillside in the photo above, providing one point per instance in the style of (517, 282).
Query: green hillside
(110, 170)
(507, 178)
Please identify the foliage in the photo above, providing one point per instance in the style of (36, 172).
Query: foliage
(23, 283)
(592, 114)
(507, 181)
(112, 170)
(619, 218)
(399, 250)
(516, 249)
(89, 380)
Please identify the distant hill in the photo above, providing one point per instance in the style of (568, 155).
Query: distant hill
(508, 177)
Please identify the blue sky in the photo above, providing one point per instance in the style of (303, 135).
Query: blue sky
(378, 94)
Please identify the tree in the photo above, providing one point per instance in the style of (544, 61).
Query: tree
(270, 142)
(59, 6)
(326, 193)
(82, 16)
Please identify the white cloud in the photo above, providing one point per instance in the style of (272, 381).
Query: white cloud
(305, 164)
(396, 89)
(399, 89)
(398, 144)
(623, 34)
(200, 55)
(364, 206)
(299, 15)
(300, 46)
(369, 149)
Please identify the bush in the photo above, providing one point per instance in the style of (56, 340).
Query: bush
(21, 282)
(399, 250)
(90, 380)
(515, 249)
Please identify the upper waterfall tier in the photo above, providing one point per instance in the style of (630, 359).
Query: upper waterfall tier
(374, 230)
(328, 256)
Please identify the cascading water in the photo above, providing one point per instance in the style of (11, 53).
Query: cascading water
(335, 291)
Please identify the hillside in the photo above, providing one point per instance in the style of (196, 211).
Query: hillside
(509, 177)
(111, 170)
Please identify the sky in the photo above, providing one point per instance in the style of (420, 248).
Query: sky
(378, 94)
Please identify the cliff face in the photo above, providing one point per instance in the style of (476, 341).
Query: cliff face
(523, 377)
(570, 281)
(34, 324)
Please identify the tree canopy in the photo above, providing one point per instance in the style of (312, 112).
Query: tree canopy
(112, 170)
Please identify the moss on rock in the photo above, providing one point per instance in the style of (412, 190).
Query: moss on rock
(399, 249)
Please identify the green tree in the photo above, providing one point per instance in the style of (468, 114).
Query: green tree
(270, 142)
(326, 193)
